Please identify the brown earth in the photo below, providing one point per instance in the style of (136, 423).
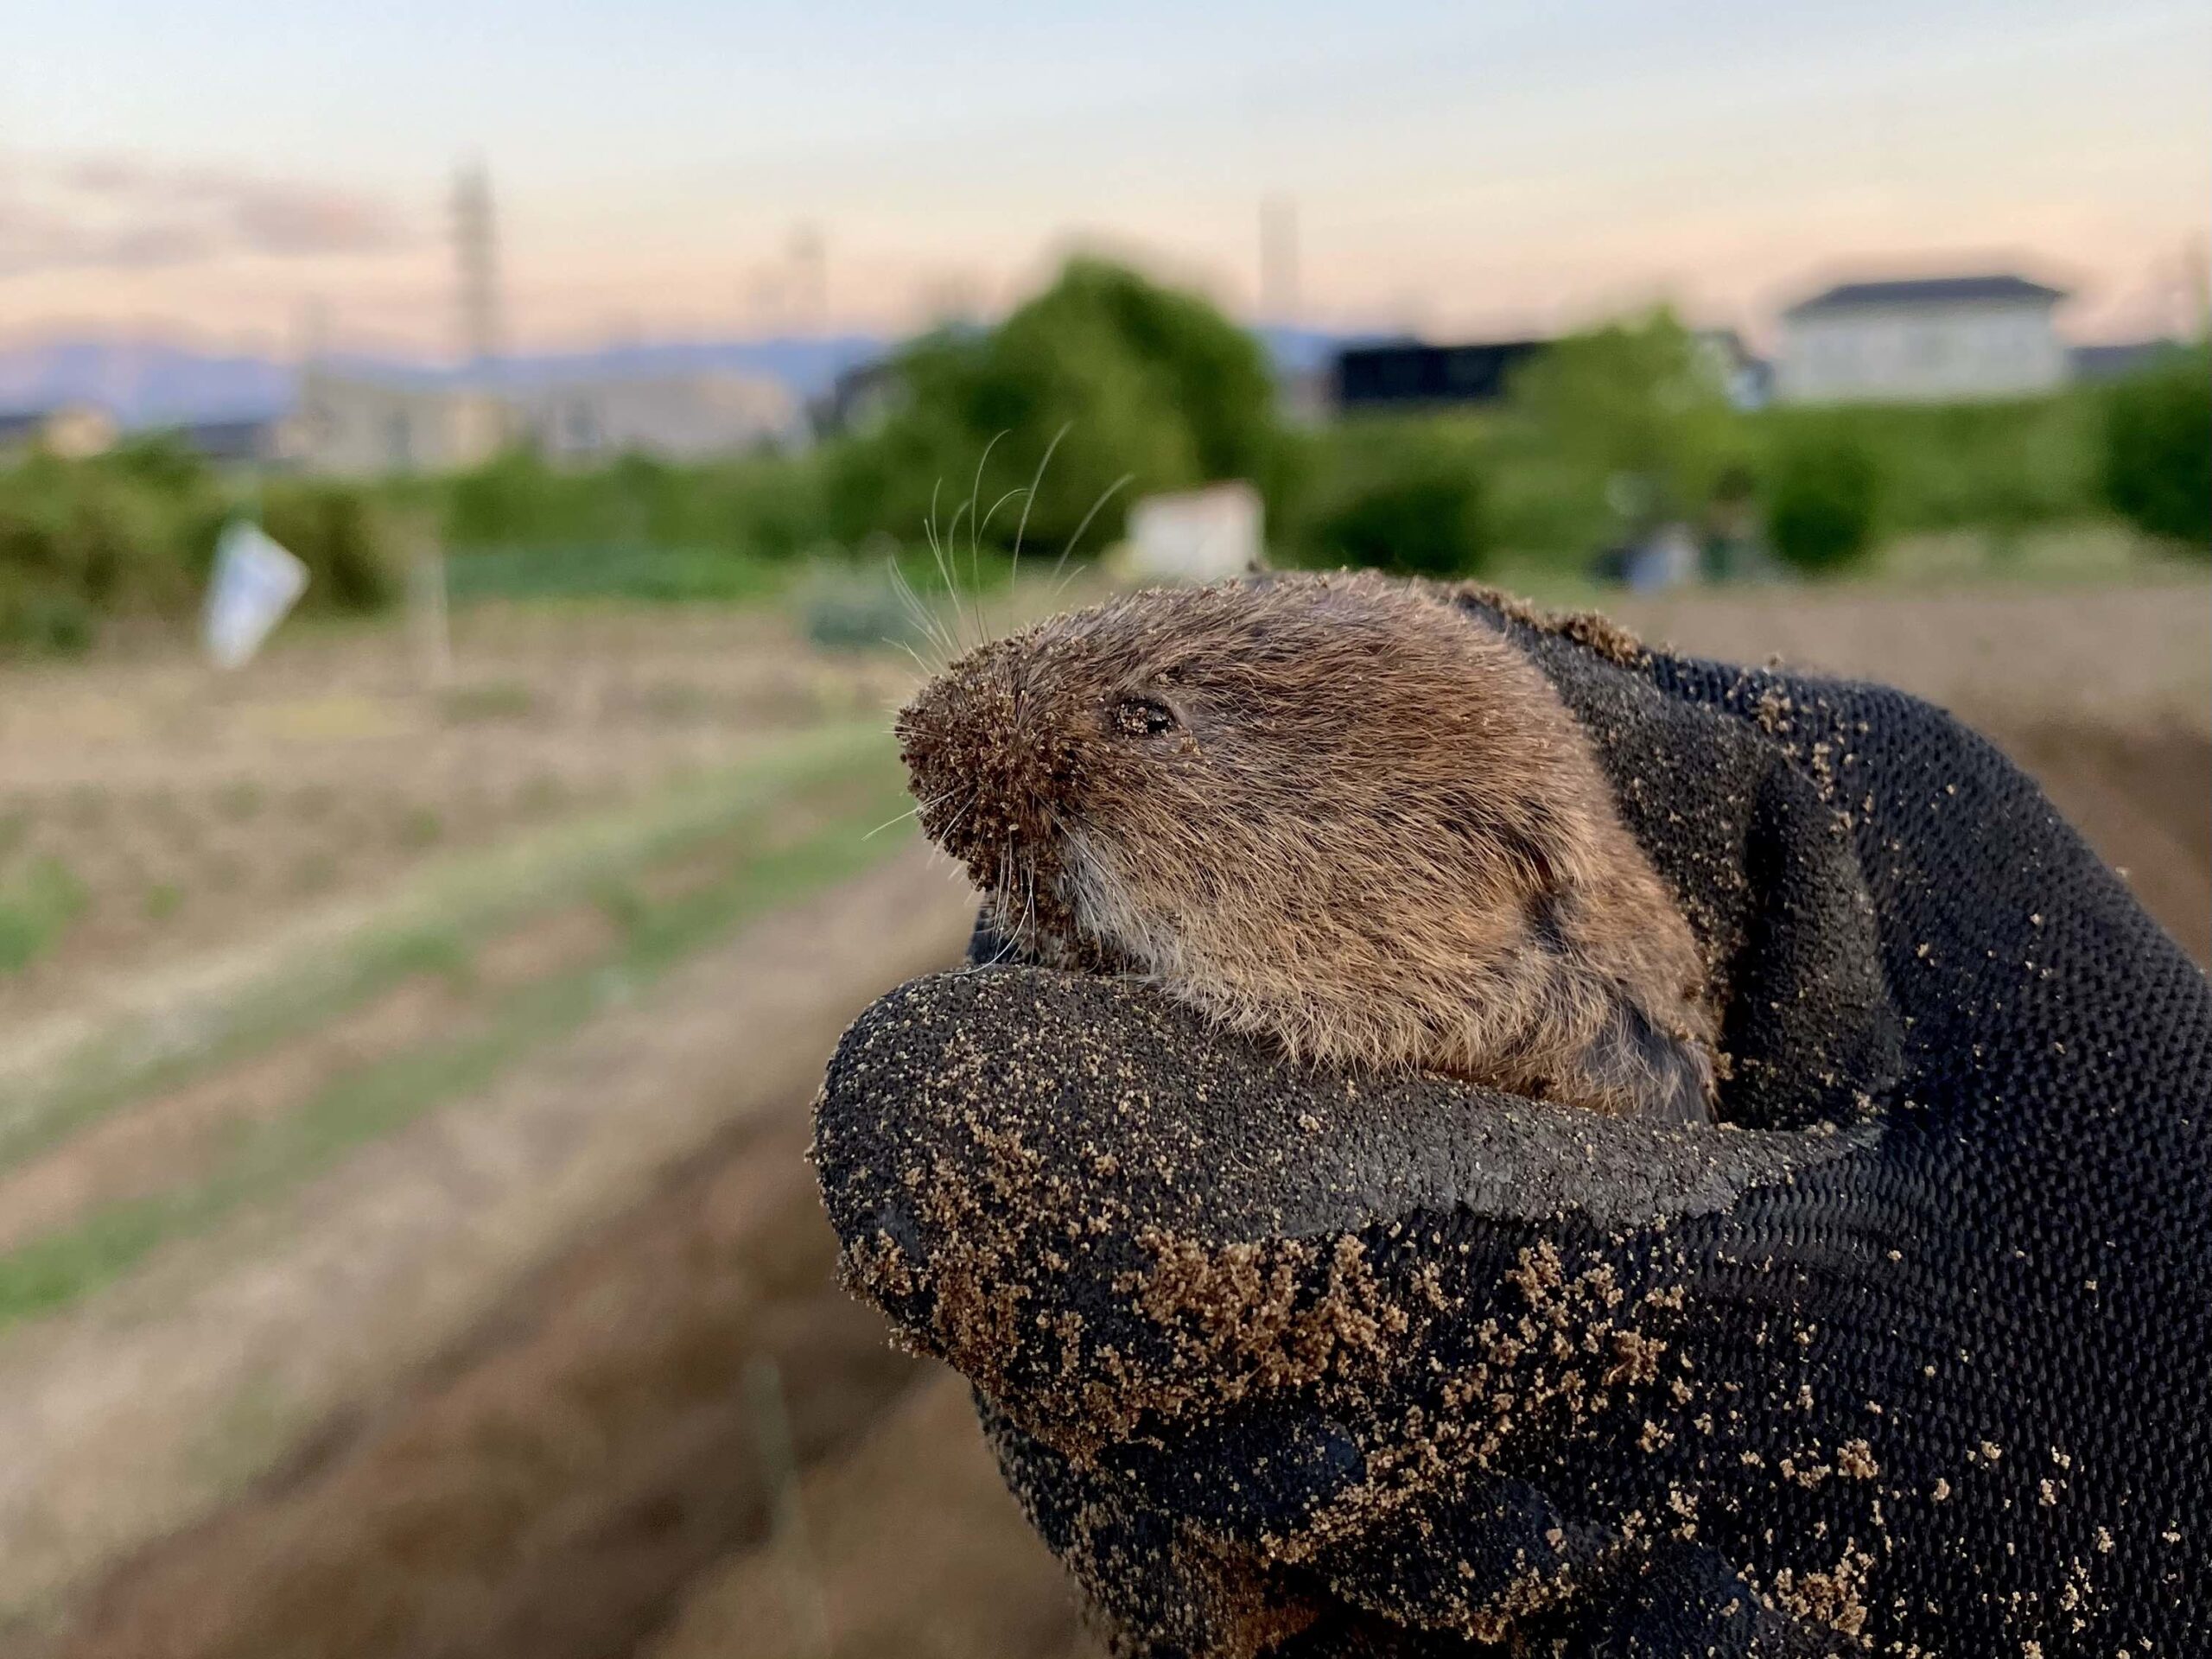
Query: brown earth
(181, 810)
(554, 1487)
(586, 1473)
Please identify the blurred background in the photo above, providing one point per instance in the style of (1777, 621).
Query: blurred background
(475, 482)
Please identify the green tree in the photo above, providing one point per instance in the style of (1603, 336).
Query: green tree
(1823, 498)
(1427, 522)
(1147, 381)
(2158, 450)
(1405, 493)
(348, 543)
(1634, 414)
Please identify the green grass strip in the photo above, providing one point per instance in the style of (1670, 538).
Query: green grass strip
(58, 1270)
(429, 924)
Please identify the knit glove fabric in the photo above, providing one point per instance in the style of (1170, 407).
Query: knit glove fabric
(1911, 1353)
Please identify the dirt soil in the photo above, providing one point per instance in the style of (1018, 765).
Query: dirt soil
(557, 1486)
(593, 1472)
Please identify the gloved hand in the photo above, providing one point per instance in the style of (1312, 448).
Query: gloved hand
(1912, 1353)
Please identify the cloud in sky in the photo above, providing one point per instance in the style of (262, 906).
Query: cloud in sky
(120, 214)
(1510, 167)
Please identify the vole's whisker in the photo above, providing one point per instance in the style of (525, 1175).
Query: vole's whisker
(927, 672)
(910, 812)
(938, 546)
(1017, 490)
(975, 535)
(924, 618)
(918, 807)
(980, 607)
(1108, 494)
(1035, 484)
(952, 578)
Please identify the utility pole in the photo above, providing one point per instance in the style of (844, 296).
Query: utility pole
(809, 260)
(1278, 260)
(476, 251)
(2197, 291)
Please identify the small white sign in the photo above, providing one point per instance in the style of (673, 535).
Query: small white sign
(1197, 536)
(256, 582)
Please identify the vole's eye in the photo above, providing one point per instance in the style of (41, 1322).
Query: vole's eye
(1142, 717)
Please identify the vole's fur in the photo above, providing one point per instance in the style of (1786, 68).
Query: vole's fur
(1335, 810)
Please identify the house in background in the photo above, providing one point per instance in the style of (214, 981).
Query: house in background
(1746, 378)
(247, 441)
(861, 399)
(69, 430)
(363, 425)
(672, 416)
(1927, 340)
(2094, 365)
(366, 423)
(1407, 374)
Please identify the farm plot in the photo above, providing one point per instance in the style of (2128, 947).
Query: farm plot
(564, 1451)
(150, 813)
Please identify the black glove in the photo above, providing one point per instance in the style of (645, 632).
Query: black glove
(1913, 1354)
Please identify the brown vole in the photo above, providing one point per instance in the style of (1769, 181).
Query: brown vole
(1335, 810)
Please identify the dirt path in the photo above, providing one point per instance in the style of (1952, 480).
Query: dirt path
(2143, 801)
(973, 1580)
(550, 1489)
(168, 1393)
(2118, 659)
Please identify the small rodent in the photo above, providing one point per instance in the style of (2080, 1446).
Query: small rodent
(1336, 809)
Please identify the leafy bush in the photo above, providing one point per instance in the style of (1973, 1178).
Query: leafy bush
(760, 507)
(1426, 520)
(348, 543)
(1823, 498)
(2007, 466)
(132, 533)
(856, 609)
(1631, 421)
(2157, 470)
(81, 541)
(654, 574)
(1146, 381)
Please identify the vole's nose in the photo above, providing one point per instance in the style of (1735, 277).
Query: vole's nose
(966, 763)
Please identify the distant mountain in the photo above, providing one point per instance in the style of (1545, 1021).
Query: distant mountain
(141, 382)
(808, 366)
(149, 383)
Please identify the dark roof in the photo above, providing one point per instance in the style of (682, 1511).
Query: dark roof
(1926, 291)
(1408, 373)
(2117, 362)
(234, 440)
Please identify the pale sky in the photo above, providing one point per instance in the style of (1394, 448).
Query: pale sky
(211, 172)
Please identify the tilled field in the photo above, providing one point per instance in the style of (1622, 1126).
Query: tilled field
(674, 1438)
(150, 812)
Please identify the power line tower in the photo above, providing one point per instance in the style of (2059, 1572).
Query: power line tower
(1278, 260)
(475, 238)
(810, 270)
(314, 331)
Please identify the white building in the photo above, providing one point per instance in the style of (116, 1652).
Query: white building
(1195, 535)
(71, 431)
(1926, 340)
(368, 424)
(675, 417)
(363, 425)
